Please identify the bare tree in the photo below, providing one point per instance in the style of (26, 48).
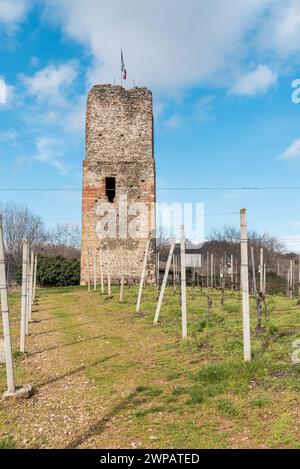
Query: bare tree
(63, 240)
(19, 224)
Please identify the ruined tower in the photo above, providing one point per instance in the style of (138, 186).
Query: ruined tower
(118, 183)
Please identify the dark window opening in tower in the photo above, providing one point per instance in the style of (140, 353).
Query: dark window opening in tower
(110, 188)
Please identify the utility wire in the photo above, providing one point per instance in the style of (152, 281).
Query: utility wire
(58, 189)
(275, 216)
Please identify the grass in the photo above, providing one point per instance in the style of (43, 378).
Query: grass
(96, 360)
(7, 442)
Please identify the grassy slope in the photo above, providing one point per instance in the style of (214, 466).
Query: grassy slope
(107, 377)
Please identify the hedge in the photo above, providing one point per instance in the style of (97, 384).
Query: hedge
(55, 271)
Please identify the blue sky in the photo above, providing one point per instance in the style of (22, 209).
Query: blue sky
(221, 73)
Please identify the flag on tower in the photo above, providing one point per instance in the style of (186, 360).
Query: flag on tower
(123, 66)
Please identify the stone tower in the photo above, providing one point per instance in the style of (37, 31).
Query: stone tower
(118, 183)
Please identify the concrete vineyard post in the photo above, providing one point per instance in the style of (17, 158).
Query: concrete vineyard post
(261, 268)
(28, 290)
(24, 297)
(34, 277)
(174, 273)
(101, 271)
(108, 274)
(121, 288)
(138, 303)
(299, 275)
(207, 270)
(157, 272)
(183, 282)
(5, 317)
(162, 290)
(253, 271)
(31, 284)
(95, 273)
(89, 274)
(231, 271)
(245, 286)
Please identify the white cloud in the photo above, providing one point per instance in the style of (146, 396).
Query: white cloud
(280, 31)
(167, 45)
(203, 109)
(34, 61)
(10, 135)
(74, 118)
(49, 152)
(292, 152)
(255, 82)
(172, 122)
(50, 84)
(7, 95)
(13, 11)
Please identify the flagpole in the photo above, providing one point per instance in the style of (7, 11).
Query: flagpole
(121, 68)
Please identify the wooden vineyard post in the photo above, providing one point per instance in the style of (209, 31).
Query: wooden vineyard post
(138, 303)
(5, 317)
(183, 282)
(265, 280)
(24, 297)
(245, 286)
(166, 274)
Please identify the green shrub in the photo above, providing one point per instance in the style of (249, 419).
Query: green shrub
(55, 271)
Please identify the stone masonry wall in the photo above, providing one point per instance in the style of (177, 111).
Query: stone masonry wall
(119, 144)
